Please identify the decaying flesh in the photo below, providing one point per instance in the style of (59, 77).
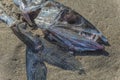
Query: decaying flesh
(62, 27)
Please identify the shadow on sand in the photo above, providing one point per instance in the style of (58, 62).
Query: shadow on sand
(92, 53)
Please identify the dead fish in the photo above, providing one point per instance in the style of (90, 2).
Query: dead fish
(38, 51)
(47, 15)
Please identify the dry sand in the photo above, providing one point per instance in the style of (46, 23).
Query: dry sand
(105, 14)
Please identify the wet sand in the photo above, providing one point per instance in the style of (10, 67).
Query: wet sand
(104, 14)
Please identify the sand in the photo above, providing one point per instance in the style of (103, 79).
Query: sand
(104, 14)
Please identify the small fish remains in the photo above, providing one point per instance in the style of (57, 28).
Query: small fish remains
(65, 32)
(62, 25)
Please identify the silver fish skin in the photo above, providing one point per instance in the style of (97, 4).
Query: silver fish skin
(71, 41)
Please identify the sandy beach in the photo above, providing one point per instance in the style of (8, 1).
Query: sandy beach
(104, 14)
